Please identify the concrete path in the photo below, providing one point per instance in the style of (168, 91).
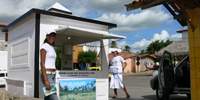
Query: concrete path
(138, 86)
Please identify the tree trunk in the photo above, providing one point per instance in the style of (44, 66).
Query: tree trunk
(88, 65)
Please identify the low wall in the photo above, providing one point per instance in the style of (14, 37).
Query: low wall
(5, 95)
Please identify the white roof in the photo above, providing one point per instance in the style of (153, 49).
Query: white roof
(82, 35)
(59, 6)
(77, 31)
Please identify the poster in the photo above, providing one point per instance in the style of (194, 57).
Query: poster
(77, 89)
(49, 92)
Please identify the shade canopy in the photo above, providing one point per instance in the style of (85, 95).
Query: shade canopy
(176, 48)
(77, 35)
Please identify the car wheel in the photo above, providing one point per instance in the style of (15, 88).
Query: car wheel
(162, 94)
(189, 96)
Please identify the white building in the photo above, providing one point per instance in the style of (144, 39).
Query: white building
(27, 33)
(3, 34)
(3, 54)
(97, 49)
(3, 38)
(3, 48)
(112, 49)
(184, 34)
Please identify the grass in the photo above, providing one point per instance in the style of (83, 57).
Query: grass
(78, 96)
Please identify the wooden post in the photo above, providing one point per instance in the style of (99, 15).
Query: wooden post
(194, 48)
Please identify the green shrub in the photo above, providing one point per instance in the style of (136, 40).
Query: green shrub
(87, 56)
(58, 59)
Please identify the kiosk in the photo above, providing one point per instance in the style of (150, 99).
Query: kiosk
(26, 35)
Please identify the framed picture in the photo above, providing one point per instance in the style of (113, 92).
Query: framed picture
(77, 89)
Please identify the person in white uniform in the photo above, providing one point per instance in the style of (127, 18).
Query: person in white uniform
(117, 65)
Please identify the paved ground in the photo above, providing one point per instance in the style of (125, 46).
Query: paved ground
(138, 87)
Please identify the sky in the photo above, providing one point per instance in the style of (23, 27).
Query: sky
(76, 83)
(141, 27)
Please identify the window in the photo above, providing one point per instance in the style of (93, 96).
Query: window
(2, 74)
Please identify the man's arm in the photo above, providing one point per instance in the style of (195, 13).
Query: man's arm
(124, 65)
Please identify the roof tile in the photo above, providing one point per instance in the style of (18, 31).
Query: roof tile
(3, 25)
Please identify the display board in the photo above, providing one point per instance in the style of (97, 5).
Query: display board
(77, 89)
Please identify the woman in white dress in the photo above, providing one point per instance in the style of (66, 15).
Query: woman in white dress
(117, 65)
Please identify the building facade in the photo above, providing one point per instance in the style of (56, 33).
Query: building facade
(131, 60)
(3, 48)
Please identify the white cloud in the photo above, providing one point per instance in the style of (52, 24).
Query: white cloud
(163, 36)
(105, 6)
(138, 46)
(143, 44)
(12, 9)
(121, 45)
(170, 21)
(78, 7)
(133, 22)
(176, 37)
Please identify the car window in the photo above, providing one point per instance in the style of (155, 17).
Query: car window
(167, 63)
(185, 63)
(2, 74)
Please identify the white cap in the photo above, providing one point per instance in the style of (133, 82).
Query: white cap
(50, 31)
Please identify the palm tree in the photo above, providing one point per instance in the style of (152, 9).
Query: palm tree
(66, 88)
(127, 48)
(61, 88)
(92, 85)
(113, 44)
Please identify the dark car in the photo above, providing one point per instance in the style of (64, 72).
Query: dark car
(170, 79)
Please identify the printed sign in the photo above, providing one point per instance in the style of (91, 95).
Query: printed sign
(49, 92)
(77, 89)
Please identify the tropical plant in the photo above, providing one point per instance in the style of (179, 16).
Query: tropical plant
(61, 88)
(93, 88)
(156, 46)
(58, 59)
(127, 48)
(87, 56)
(143, 52)
(113, 44)
(66, 88)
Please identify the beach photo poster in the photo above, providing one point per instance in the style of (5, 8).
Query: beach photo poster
(49, 92)
(77, 89)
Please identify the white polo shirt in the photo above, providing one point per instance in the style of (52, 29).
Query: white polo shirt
(50, 56)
